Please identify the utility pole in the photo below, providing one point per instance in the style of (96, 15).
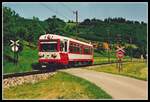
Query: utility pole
(109, 47)
(76, 13)
(118, 37)
(130, 40)
(118, 41)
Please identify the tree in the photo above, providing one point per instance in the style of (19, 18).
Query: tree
(136, 22)
(9, 23)
(54, 24)
(86, 22)
(22, 33)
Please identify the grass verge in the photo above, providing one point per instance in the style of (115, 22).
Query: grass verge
(60, 86)
(137, 70)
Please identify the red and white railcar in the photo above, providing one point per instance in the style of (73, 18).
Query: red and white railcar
(56, 49)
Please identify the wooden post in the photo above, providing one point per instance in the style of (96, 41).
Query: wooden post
(119, 65)
(14, 58)
(15, 54)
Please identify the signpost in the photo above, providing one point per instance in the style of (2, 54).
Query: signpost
(119, 54)
(15, 48)
(106, 46)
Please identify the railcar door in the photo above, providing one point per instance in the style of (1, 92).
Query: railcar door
(64, 53)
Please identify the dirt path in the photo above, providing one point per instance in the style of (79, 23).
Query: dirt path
(119, 87)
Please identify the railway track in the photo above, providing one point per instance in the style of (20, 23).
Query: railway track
(5, 76)
(10, 75)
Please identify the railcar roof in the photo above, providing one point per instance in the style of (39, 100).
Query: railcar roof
(54, 36)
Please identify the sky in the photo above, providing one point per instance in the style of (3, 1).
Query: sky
(136, 11)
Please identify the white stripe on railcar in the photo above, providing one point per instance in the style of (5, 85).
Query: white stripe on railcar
(48, 42)
(79, 56)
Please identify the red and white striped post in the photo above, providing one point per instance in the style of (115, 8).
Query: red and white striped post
(119, 54)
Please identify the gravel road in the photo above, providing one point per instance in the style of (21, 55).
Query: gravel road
(119, 87)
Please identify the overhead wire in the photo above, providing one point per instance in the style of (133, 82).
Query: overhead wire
(56, 12)
(67, 7)
(38, 22)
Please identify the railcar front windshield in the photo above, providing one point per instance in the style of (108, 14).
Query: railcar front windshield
(48, 47)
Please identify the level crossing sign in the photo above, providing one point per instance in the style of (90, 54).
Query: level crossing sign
(120, 52)
(14, 45)
(15, 48)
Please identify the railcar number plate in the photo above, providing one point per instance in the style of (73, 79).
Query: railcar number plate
(43, 66)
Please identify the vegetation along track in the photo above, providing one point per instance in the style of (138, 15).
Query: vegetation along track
(6, 76)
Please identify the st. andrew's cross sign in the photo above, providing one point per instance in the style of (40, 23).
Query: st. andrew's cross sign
(15, 48)
(14, 45)
(119, 54)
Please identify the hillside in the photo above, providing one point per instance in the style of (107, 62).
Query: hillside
(16, 27)
(113, 30)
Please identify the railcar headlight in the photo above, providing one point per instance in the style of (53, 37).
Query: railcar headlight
(53, 55)
(41, 55)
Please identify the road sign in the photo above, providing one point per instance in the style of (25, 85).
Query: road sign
(120, 51)
(120, 54)
(14, 48)
(14, 45)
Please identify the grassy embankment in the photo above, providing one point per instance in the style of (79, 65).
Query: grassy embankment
(26, 58)
(137, 70)
(60, 86)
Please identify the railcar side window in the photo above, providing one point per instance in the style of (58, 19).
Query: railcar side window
(90, 50)
(80, 50)
(86, 50)
(61, 46)
(74, 49)
(71, 49)
(65, 46)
